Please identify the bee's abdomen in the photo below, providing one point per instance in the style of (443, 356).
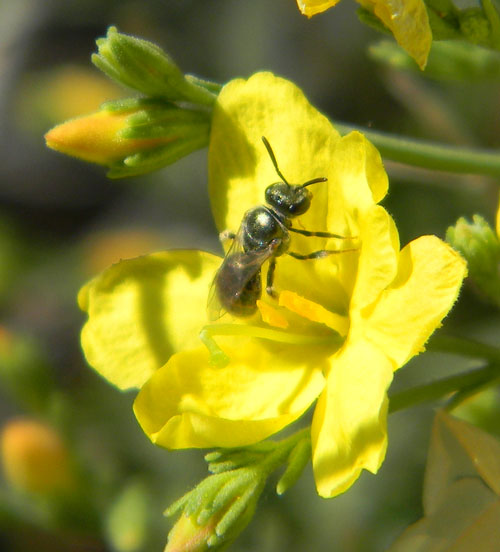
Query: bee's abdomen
(238, 291)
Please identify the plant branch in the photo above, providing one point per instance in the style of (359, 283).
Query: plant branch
(430, 155)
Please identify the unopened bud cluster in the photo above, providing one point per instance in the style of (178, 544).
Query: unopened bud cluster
(480, 245)
(140, 135)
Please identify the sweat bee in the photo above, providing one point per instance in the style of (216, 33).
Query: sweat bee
(264, 235)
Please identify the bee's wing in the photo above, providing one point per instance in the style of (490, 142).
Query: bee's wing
(250, 263)
(214, 307)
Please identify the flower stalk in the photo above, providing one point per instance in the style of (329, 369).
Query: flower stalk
(430, 155)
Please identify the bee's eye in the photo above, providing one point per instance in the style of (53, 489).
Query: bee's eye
(277, 194)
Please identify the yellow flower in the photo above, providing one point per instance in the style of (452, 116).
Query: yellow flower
(406, 19)
(342, 324)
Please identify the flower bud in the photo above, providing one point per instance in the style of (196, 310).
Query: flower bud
(216, 511)
(95, 138)
(475, 26)
(480, 246)
(25, 373)
(35, 458)
(145, 67)
(132, 136)
(187, 536)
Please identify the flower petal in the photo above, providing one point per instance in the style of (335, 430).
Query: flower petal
(314, 312)
(408, 22)
(359, 175)
(349, 426)
(429, 277)
(378, 258)
(239, 166)
(143, 310)
(188, 403)
(355, 184)
(312, 7)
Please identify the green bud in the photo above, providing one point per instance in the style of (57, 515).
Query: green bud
(25, 373)
(299, 457)
(127, 523)
(173, 131)
(143, 66)
(480, 246)
(475, 26)
(216, 511)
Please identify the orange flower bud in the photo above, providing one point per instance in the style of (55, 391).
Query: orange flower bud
(96, 138)
(35, 458)
(188, 536)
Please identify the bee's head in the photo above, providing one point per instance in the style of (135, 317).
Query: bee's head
(288, 199)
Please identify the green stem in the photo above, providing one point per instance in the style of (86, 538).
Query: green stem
(282, 450)
(438, 389)
(430, 155)
(464, 347)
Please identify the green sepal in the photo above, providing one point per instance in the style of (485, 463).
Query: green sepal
(237, 517)
(223, 460)
(297, 461)
(226, 501)
(184, 129)
(143, 66)
(157, 158)
(211, 86)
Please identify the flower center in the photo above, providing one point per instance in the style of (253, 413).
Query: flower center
(219, 358)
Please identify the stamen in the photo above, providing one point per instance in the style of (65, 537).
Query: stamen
(220, 359)
(217, 356)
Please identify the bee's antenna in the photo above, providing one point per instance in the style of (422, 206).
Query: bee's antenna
(314, 181)
(273, 159)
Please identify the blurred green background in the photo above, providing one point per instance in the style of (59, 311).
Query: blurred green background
(62, 221)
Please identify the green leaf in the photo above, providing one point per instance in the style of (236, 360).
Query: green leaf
(297, 461)
(461, 492)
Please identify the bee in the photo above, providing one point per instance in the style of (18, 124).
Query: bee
(264, 235)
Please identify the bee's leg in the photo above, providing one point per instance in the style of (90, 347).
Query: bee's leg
(270, 278)
(318, 254)
(226, 235)
(321, 234)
